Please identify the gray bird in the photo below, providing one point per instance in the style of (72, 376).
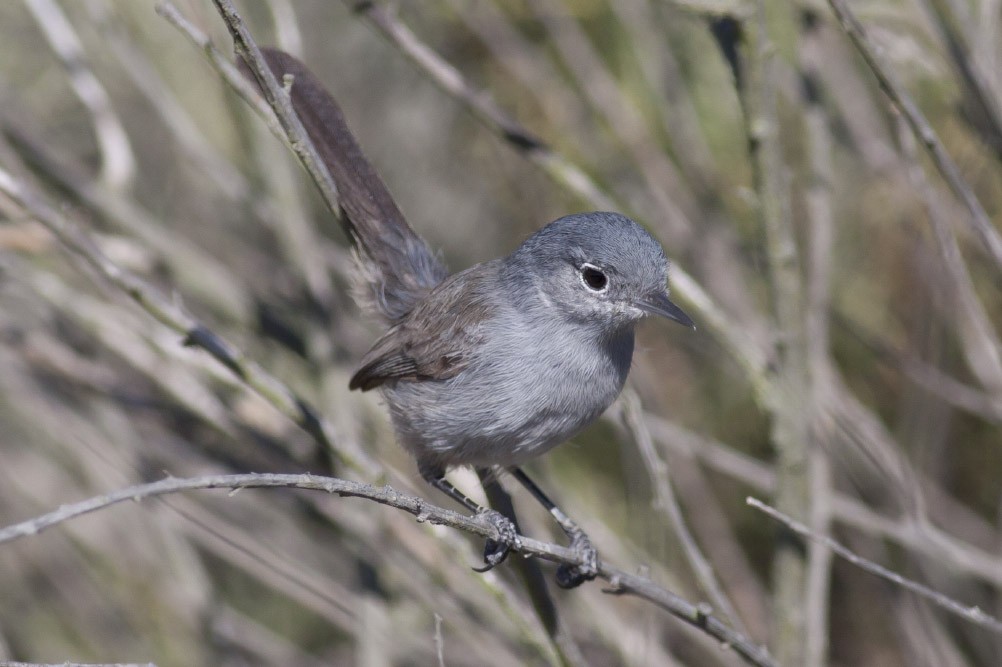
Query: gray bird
(495, 365)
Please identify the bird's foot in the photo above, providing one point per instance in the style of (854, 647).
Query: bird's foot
(572, 576)
(495, 551)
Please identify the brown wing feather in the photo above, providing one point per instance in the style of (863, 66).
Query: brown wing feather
(380, 370)
(432, 341)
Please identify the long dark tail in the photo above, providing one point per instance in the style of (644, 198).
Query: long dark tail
(397, 267)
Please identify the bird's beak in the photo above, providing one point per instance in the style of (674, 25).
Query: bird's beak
(660, 304)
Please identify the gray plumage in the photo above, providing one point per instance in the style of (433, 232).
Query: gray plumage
(501, 362)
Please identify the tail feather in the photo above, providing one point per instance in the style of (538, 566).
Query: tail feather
(397, 267)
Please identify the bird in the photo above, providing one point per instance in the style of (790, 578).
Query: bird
(495, 365)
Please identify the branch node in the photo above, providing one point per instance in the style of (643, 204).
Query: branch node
(201, 336)
(703, 613)
(615, 586)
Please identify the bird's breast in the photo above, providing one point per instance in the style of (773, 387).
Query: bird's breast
(525, 390)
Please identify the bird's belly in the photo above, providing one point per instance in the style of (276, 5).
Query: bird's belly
(502, 418)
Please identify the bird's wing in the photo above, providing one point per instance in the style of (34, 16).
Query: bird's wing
(435, 340)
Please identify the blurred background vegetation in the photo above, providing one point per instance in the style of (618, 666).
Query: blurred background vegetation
(847, 365)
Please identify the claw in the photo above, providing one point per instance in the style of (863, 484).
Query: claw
(572, 576)
(495, 551)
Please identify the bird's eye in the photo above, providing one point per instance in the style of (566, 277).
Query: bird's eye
(594, 278)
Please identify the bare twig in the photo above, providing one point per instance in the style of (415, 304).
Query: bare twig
(483, 107)
(978, 220)
(817, 589)
(287, 32)
(977, 80)
(601, 91)
(169, 313)
(972, 614)
(439, 643)
(931, 378)
(981, 347)
(755, 80)
(817, 299)
(621, 582)
(197, 273)
(240, 85)
(189, 137)
(909, 533)
(280, 102)
(118, 166)
(300, 239)
(665, 501)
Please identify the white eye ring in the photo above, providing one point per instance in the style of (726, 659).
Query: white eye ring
(593, 278)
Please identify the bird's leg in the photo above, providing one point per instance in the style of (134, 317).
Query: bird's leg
(568, 576)
(495, 551)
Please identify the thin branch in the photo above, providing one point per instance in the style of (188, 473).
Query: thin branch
(439, 642)
(449, 79)
(981, 347)
(755, 78)
(817, 324)
(622, 583)
(286, 26)
(663, 78)
(666, 502)
(978, 81)
(172, 315)
(712, 9)
(196, 271)
(286, 219)
(279, 100)
(118, 166)
(140, 69)
(601, 91)
(895, 91)
(240, 85)
(817, 589)
(909, 533)
(946, 387)
(972, 614)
